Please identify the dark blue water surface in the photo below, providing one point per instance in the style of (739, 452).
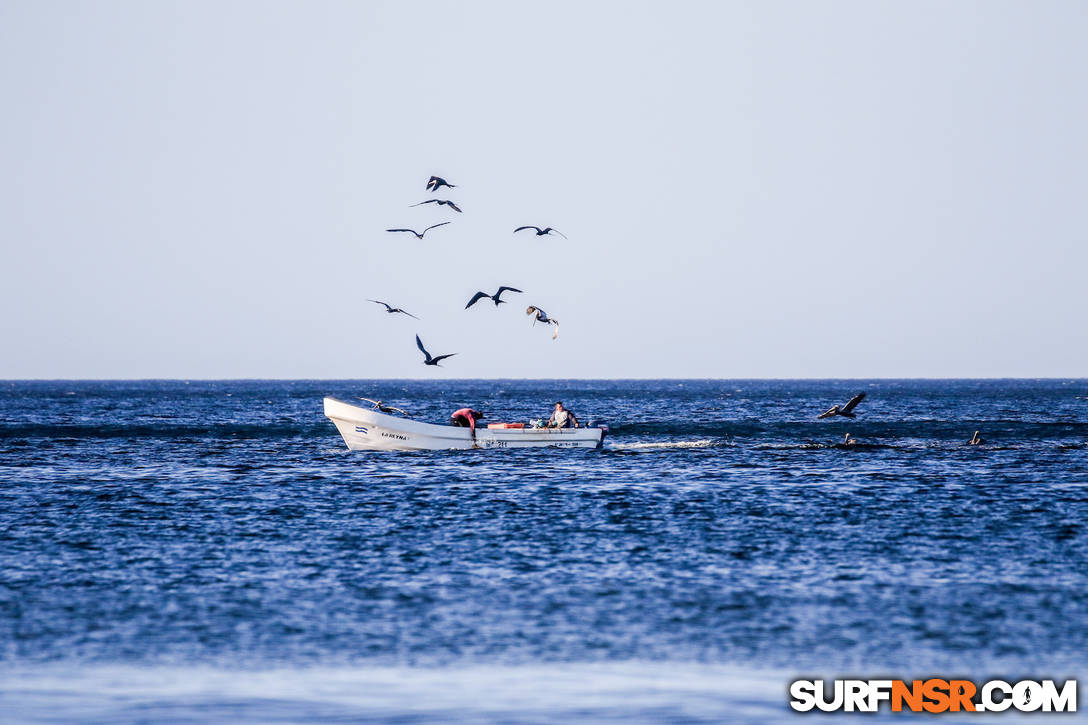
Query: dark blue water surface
(190, 529)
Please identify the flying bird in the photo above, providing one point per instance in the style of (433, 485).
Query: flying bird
(392, 310)
(437, 182)
(542, 316)
(541, 232)
(428, 359)
(382, 407)
(419, 235)
(440, 202)
(494, 298)
(846, 410)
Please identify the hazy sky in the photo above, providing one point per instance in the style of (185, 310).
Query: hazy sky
(762, 189)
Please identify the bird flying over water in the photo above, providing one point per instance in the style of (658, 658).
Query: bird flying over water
(542, 316)
(382, 407)
(440, 202)
(437, 182)
(846, 410)
(428, 360)
(494, 298)
(419, 235)
(391, 310)
(541, 232)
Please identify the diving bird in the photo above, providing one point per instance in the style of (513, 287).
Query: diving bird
(419, 235)
(440, 202)
(382, 407)
(437, 182)
(846, 410)
(392, 310)
(494, 298)
(542, 316)
(541, 232)
(428, 359)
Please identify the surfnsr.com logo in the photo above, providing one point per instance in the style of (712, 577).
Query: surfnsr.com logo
(933, 695)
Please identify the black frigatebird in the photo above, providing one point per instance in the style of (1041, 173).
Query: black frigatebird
(494, 298)
(419, 235)
(541, 232)
(428, 360)
(391, 310)
(440, 202)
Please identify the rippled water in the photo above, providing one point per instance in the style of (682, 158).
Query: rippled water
(174, 535)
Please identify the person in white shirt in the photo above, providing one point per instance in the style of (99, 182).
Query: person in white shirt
(562, 418)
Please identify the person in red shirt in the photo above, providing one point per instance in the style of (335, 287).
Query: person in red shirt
(466, 418)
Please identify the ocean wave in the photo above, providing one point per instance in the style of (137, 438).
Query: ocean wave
(691, 434)
(801, 430)
(146, 430)
(566, 692)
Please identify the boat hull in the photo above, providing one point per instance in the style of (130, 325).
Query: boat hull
(368, 429)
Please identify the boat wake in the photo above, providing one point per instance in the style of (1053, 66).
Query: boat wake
(704, 443)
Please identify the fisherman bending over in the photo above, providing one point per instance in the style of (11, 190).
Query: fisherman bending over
(562, 418)
(466, 418)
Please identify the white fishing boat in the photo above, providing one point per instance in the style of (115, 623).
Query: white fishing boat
(370, 429)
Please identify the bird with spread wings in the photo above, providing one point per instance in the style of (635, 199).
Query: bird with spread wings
(542, 316)
(428, 359)
(845, 410)
(541, 232)
(382, 407)
(419, 235)
(392, 310)
(437, 182)
(496, 298)
(440, 202)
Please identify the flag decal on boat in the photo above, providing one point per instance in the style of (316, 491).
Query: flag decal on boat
(360, 429)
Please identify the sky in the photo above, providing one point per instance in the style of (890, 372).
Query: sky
(750, 189)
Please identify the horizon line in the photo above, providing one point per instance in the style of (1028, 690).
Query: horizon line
(503, 379)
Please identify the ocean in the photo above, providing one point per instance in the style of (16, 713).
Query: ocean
(211, 552)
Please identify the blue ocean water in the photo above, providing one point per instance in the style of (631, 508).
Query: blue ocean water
(210, 551)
